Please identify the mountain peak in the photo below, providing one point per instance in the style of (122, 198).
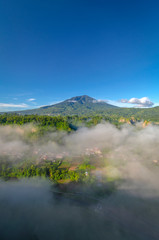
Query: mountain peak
(78, 105)
(81, 99)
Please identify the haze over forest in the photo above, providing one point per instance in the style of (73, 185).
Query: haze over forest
(97, 178)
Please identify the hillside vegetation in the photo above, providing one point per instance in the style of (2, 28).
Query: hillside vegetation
(85, 106)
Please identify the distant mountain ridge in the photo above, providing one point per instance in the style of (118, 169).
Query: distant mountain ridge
(88, 106)
(76, 105)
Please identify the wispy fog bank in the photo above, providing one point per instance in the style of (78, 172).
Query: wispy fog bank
(33, 210)
(30, 209)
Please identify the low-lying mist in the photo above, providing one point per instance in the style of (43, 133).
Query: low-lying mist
(129, 141)
(34, 208)
(132, 150)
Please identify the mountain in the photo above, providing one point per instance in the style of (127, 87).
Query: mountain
(79, 105)
(88, 106)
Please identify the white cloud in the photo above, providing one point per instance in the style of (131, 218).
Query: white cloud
(12, 105)
(139, 102)
(124, 101)
(99, 100)
(73, 101)
(31, 99)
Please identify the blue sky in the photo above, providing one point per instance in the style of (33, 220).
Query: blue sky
(55, 49)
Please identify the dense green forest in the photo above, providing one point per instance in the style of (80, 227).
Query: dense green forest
(69, 123)
(56, 171)
(72, 122)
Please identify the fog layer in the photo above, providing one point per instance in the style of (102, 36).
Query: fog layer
(32, 209)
